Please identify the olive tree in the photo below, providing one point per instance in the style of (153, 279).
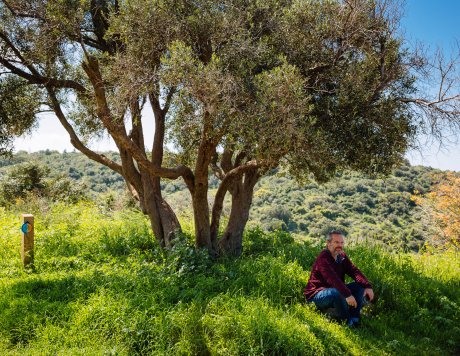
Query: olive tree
(237, 86)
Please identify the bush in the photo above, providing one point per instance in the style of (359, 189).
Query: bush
(21, 180)
(26, 180)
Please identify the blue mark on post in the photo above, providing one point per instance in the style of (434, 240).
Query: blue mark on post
(26, 227)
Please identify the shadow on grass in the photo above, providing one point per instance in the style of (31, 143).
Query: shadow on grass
(30, 303)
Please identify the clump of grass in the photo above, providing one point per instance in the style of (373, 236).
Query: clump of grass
(103, 286)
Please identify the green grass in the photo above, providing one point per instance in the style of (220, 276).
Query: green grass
(101, 286)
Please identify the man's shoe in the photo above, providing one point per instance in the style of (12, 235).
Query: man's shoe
(353, 322)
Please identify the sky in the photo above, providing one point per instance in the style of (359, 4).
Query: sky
(433, 22)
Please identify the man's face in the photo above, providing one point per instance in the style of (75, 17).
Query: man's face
(335, 246)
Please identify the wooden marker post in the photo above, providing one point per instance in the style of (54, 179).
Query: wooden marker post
(27, 242)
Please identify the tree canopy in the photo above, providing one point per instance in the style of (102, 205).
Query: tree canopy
(238, 86)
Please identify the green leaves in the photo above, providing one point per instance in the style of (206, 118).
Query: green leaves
(19, 106)
(30, 180)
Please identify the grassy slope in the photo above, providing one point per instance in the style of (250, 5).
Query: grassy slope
(101, 286)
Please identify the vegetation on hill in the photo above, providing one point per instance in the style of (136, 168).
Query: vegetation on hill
(74, 165)
(102, 285)
(375, 209)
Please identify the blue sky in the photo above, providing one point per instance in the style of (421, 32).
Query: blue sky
(435, 23)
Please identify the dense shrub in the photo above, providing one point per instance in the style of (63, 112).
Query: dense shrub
(28, 180)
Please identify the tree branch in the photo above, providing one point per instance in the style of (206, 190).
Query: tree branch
(227, 181)
(235, 173)
(218, 172)
(239, 158)
(14, 12)
(434, 105)
(91, 67)
(226, 160)
(34, 77)
(76, 141)
(168, 100)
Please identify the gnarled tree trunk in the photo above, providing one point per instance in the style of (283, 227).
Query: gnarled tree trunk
(199, 193)
(162, 218)
(242, 191)
(201, 217)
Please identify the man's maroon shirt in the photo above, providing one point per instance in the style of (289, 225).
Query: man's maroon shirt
(327, 273)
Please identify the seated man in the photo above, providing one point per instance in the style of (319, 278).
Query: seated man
(326, 286)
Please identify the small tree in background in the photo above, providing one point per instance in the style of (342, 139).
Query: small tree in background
(32, 179)
(21, 180)
(442, 207)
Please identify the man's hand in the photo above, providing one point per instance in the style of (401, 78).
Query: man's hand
(369, 293)
(351, 301)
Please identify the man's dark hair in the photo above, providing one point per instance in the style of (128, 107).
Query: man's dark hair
(333, 232)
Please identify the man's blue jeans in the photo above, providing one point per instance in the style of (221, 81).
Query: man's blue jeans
(331, 298)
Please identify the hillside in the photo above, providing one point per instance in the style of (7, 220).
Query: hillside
(377, 209)
(75, 165)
